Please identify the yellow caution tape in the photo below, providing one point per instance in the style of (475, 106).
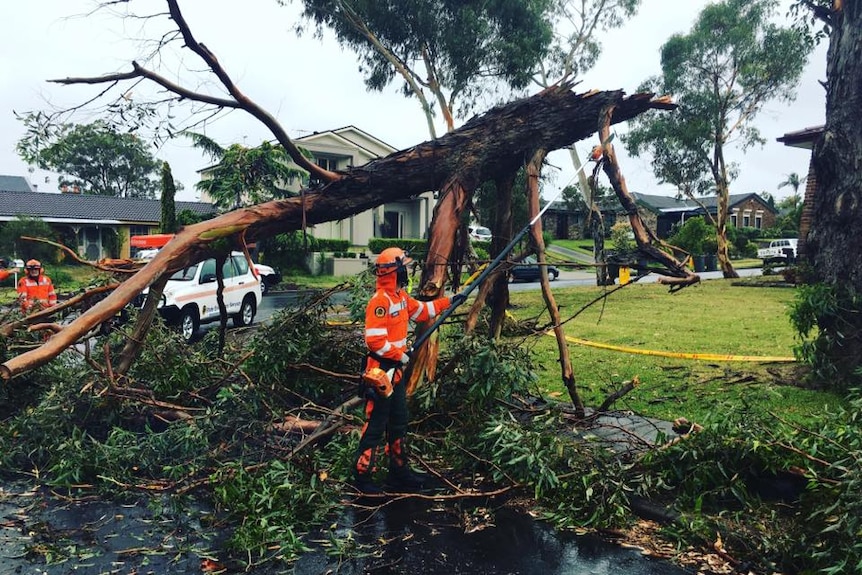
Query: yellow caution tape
(678, 355)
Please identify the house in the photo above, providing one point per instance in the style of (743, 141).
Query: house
(563, 222)
(662, 213)
(805, 139)
(348, 147)
(92, 223)
(14, 184)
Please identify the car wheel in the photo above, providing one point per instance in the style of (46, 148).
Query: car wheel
(264, 286)
(189, 324)
(246, 313)
(552, 275)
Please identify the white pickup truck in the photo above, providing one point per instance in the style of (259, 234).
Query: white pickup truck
(778, 251)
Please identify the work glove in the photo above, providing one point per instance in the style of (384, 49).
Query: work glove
(457, 299)
(405, 359)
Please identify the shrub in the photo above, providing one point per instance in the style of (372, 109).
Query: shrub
(692, 235)
(416, 248)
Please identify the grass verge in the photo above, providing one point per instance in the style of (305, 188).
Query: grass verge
(715, 317)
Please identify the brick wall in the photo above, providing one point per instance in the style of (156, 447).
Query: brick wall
(807, 209)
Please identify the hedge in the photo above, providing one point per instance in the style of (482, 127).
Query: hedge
(417, 249)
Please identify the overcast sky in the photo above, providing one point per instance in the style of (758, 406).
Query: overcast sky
(311, 85)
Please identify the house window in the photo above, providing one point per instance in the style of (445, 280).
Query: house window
(746, 219)
(733, 221)
(139, 230)
(392, 225)
(330, 164)
(758, 220)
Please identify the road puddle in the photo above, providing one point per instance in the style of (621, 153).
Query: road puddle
(44, 533)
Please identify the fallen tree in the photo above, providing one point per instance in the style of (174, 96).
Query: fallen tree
(484, 147)
(493, 146)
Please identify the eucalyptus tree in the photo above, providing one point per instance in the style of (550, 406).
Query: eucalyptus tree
(578, 25)
(577, 28)
(734, 60)
(447, 53)
(493, 146)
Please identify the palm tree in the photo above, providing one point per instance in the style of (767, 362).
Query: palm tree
(244, 176)
(794, 181)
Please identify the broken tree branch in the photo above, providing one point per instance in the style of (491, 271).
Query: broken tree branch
(475, 152)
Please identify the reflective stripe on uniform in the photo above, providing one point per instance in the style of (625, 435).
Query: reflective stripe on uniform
(383, 349)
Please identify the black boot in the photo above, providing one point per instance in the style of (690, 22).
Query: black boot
(365, 484)
(404, 480)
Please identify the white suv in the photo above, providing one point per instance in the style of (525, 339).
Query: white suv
(189, 297)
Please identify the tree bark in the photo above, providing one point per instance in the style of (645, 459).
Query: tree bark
(834, 241)
(480, 150)
(504, 227)
(534, 167)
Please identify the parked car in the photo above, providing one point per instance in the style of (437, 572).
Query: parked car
(269, 277)
(189, 298)
(529, 271)
(783, 250)
(147, 254)
(480, 233)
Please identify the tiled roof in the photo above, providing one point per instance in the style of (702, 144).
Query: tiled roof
(670, 203)
(70, 207)
(14, 184)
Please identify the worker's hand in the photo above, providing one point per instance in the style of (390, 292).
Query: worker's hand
(405, 359)
(457, 299)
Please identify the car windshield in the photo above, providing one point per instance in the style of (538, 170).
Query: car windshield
(186, 274)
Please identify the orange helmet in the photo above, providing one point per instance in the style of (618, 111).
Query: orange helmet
(393, 260)
(33, 265)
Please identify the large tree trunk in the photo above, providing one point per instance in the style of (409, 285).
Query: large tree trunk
(835, 240)
(480, 150)
(504, 226)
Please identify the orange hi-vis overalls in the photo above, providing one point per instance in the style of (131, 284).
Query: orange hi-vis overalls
(386, 323)
(34, 292)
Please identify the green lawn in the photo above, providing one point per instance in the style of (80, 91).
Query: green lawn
(714, 317)
(586, 247)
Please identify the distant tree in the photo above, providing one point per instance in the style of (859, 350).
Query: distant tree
(794, 182)
(721, 74)
(576, 46)
(446, 52)
(578, 25)
(245, 176)
(188, 217)
(768, 198)
(13, 246)
(168, 223)
(96, 158)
